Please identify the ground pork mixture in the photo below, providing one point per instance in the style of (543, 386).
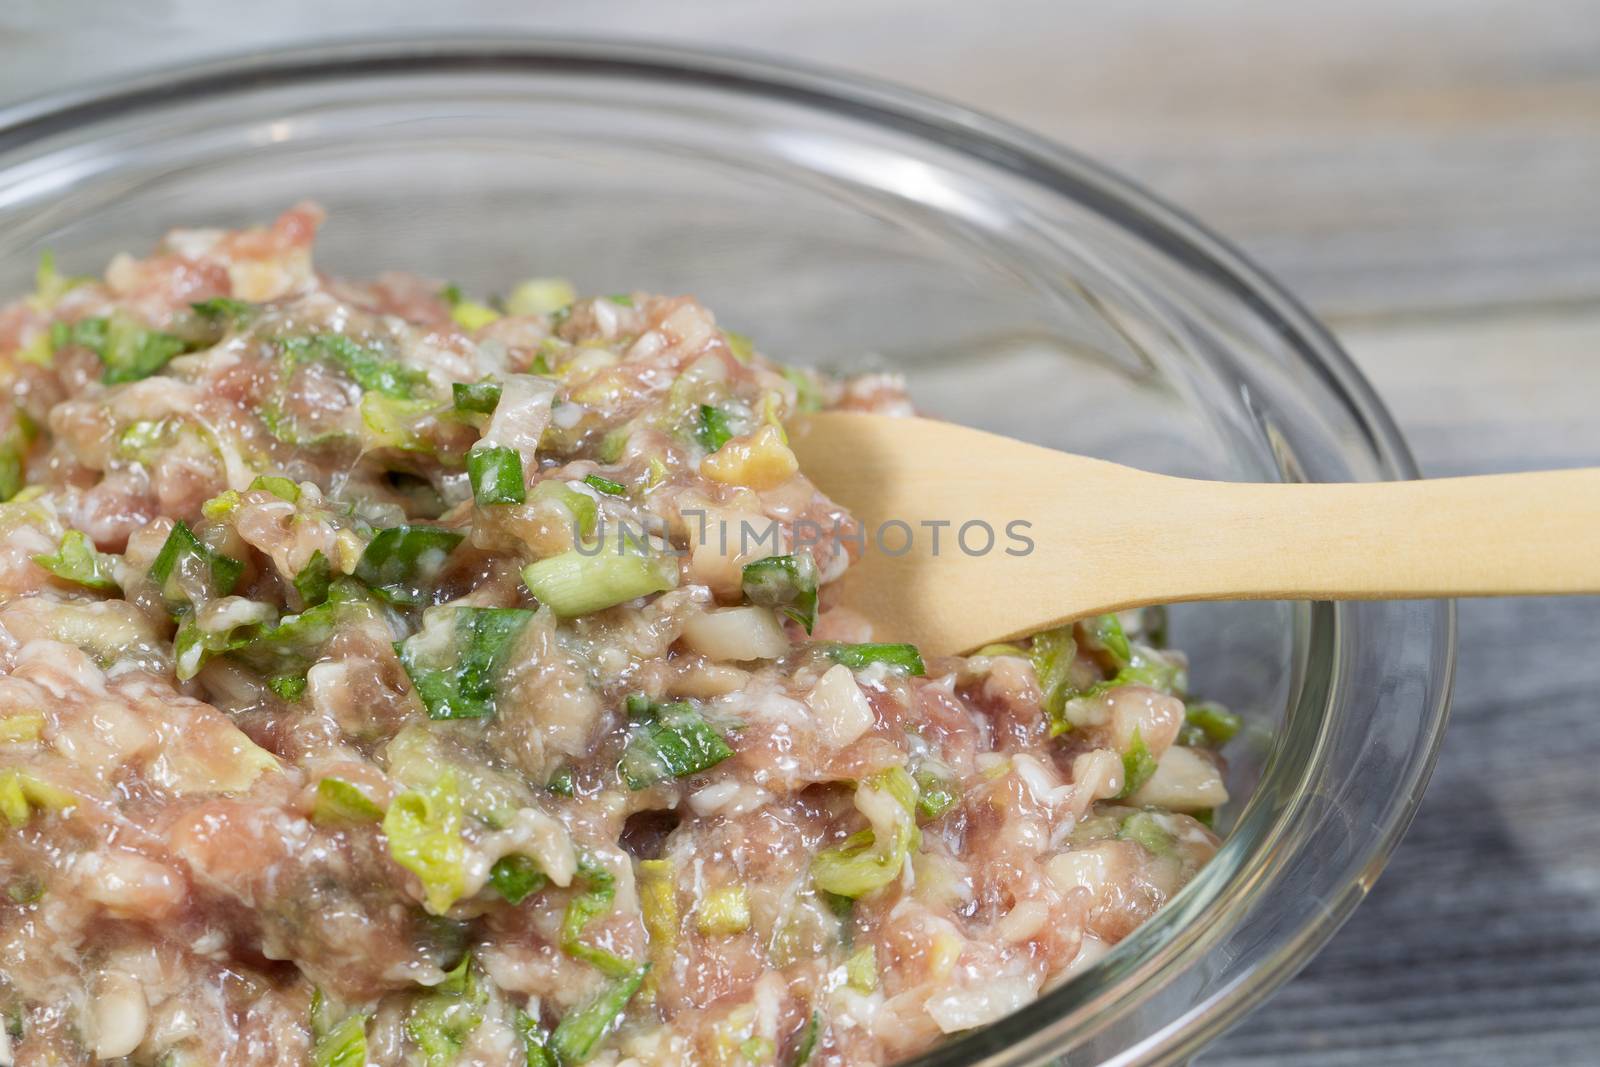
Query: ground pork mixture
(336, 727)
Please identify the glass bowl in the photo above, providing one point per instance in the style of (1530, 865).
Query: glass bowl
(1020, 288)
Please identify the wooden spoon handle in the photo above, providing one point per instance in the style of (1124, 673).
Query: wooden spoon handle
(1490, 535)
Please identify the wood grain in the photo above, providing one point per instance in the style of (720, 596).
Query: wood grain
(904, 479)
(1427, 176)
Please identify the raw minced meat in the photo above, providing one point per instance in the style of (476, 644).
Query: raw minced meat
(337, 728)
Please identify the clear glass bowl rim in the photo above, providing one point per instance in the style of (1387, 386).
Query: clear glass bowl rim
(994, 142)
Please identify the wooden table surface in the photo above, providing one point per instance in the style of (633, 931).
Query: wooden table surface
(1427, 176)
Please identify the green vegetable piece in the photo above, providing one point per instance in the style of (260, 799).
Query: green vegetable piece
(1214, 724)
(581, 506)
(192, 645)
(423, 827)
(740, 345)
(860, 657)
(535, 1042)
(605, 485)
(516, 876)
(288, 686)
(577, 1034)
(870, 859)
(224, 309)
(1137, 766)
(314, 580)
(184, 556)
(21, 792)
(808, 1041)
(861, 970)
(496, 476)
(1053, 653)
(343, 1046)
(441, 1022)
(577, 582)
(279, 486)
(76, 560)
(342, 803)
(786, 582)
(129, 350)
(673, 741)
(935, 795)
(400, 563)
(456, 660)
(711, 428)
(621, 299)
(595, 900)
(540, 296)
(475, 397)
(1103, 633)
(724, 912)
(365, 366)
(471, 315)
(808, 395)
(563, 783)
(49, 285)
(1143, 829)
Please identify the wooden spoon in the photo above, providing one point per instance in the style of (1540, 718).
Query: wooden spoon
(1106, 537)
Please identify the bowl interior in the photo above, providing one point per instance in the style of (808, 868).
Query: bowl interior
(844, 235)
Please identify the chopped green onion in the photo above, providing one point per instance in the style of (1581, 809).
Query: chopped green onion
(314, 580)
(740, 345)
(343, 1046)
(183, 555)
(49, 285)
(581, 506)
(222, 505)
(808, 395)
(711, 428)
(1137, 766)
(364, 366)
(471, 315)
(535, 1042)
(1054, 653)
(724, 912)
(575, 583)
(1143, 829)
(476, 397)
(456, 660)
(621, 299)
(423, 827)
(219, 308)
(1103, 633)
(279, 486)
(129, 350)
(582, 1028)
(595, 901)
(342, 803)
(441, 1022)
(496, 476)
(288, 686)
(1208, 724)
(21, 792)
(935, 795)
(605, 485)
(563, 783)
(860, 657)
(787, 582)
(808, 1041)
(76, 560)
(861, 970)
(194, 644)
(402, 561)
(871, 859)
(14, 446)
(516, 876)
(540, 296)
(670, 741)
